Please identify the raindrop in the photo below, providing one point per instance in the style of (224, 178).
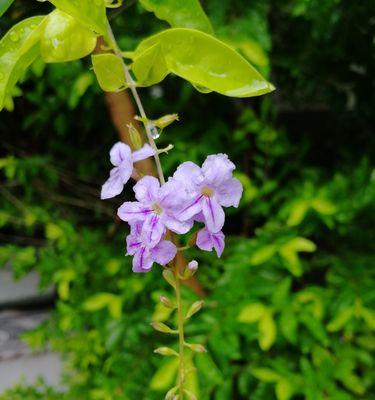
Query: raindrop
(14, 37)
(154, 132)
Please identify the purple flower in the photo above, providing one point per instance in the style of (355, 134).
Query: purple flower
(193, 265)
(209, 189)
(144, 256)
(122, 158)
(208, 241)
(156, 208)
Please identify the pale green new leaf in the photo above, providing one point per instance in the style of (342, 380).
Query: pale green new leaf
(89, 12)
(251, 313)
(180, 13)
(206, 62)
(65, 39)
(341, 319)
(165, 375)
(4, 5)
(284, 389)
(267, 330)
(109, 71)
(18, 49)
(263, 254)
(265, 374)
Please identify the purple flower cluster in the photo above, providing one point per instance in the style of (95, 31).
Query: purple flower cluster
(193, 194)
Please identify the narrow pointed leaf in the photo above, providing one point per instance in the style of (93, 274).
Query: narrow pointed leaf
(221, 69)
(180, 13)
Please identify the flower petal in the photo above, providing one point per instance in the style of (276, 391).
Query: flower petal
(153, 230)
(175, 225)
(142, 260)
(213, 214)
(164, 252)
(207, 241)
(133, 211)
(229, 193)
(193, 207)
(133, 244)
(144, 152)
(172, 195)
(120, 152)
(190, 175)
(147, 189)
(217, 168)
(113, 186)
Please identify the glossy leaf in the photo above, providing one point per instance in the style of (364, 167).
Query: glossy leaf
(214, 67)
(65, 39)
(18, 49)
(89, 12)
(180, 13)
(4, 5)
(109, 71)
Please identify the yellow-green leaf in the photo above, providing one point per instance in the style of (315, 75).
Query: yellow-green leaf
(265, 374)
(18, 49)
(221, 69)
(89, 12)
(165, 375)
(65, 39)
(180, 13)
(284, 389)
(263, 254)
(267, 330)
(340, 320)
(109, 71)
(251, 313)
(4, 5)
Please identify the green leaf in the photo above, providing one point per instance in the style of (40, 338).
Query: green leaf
(221, 69)
(289, 324)
(298, 213)
(4, 5)
(267, 330)
(289, 253)
(180, 13)
(323, 206)
(65, 39)
(165, 375)
(369, 317)
(109, 71)
(284, 390)
(18, 49)
(104, 300)
(315, 327)
(263, 254)
(251, 313)
(340, 320)
(89, 12)
(265, 374)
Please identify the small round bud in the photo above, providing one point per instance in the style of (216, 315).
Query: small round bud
(193, 265)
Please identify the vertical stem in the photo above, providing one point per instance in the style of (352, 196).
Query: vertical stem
(132, 86)
(181, 338)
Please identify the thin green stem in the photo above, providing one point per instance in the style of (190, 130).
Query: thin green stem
(132, 86)
(181, 337)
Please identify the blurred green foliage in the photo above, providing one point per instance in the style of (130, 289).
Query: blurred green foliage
(289, 312)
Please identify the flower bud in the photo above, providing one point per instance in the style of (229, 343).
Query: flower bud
(135, 137)
(198, 348)
(193, 265)
(166, 302)
(194, 308)
(169, 277)
(166, 120)
(171, 395)
(160, 327)
(165, 351)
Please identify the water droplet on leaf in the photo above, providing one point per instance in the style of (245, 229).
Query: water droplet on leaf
(155, 134)
(14, 37)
